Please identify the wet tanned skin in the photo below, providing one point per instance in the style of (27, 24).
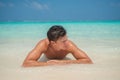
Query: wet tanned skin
(56, 51)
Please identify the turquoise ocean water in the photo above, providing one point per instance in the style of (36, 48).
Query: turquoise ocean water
(100, 41)
(35, 30)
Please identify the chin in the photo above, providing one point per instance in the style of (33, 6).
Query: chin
(63, 49)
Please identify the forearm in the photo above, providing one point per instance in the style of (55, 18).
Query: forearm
(56, 62)
(34, 63)
(80, 61)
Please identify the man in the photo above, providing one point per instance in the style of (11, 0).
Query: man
(55, 47)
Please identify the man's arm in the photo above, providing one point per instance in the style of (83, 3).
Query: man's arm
(34, 55)
(81, 56)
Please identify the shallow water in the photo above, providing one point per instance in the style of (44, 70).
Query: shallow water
(101, 42)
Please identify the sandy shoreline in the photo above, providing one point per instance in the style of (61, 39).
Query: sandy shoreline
(104, 53)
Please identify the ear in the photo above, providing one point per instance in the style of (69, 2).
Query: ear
(53, 42)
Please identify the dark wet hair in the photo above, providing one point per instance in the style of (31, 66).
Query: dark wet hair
(56, 32)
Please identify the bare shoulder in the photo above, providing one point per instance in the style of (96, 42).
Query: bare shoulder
(70, 43)
(36, 52)
(71, 46)
(42, 44)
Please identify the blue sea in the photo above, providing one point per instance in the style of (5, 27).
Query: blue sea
(102, 30)
(100, 40)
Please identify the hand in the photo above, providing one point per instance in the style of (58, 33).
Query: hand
(54, 62)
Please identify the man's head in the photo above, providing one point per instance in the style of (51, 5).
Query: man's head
(55, 32)
(57, 37)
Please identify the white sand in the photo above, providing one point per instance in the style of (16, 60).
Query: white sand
(104, 53)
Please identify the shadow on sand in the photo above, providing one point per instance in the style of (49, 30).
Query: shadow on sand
(45, 59)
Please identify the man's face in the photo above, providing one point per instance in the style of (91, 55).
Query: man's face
(61, 43)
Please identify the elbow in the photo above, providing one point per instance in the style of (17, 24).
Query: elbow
(89, 61)
(85, 61)
(28, 63)
(24, 65)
